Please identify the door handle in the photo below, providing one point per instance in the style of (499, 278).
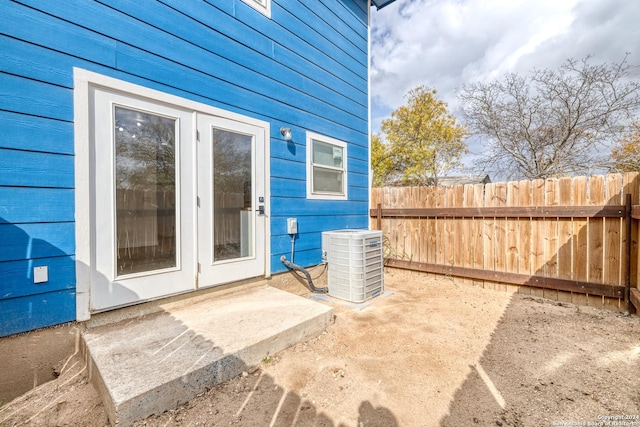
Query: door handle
(260, 210)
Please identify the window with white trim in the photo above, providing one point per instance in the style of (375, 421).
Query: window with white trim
(326, 168)
(262, 6)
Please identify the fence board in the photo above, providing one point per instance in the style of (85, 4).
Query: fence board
(415, 225)
(537, 233)
(596, 241)
(456, 254)
(565, 235)
(614, 235)
(373, 204)
(513, 255)
(580, 238)
(524, 226)
(489, 235)
(393, 225)
(477, 227)
(431, 227)
(403, 226)
(387, 224)
(438, 202)
(500, 200)
(612, 232)
(448, 240)
(632, 186)
(424, 231)
(551, 197)
(468, 233)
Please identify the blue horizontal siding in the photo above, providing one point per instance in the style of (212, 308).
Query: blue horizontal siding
(17, 276)
(354, 33)
(35, 169)
(304, 242)
(33, 133)
(359, 179)
(41, 240)
(170, 74)
(196, 93)
(296, 189)
(296, 148)
(36, 98)
(283, 206)
(357, 166)
(208, 12)
(193, 59)
(27, 24)
(359, 9)
(36, 311)
(34, 62)
(300, 24)
(302, 258)
(307, 241)
(289, 150)
(305, 49)
(26, 204)
(358, 194)
(317, 223)
(293, 188)
(304, 68)
(281, 168)
(302, 21)
(193, 23)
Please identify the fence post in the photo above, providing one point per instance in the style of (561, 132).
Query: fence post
(379, 216)
(627, 267)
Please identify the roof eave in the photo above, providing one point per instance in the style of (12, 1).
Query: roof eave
(379, 4)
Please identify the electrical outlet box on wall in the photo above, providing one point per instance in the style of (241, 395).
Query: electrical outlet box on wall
(292, 226)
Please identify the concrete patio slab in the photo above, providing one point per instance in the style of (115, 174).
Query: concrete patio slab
(150, 364)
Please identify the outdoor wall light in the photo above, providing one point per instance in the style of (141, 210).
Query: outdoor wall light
(286, 133)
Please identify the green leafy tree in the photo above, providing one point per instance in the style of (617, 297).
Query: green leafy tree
(625, 155)
(424, 141)
(381, 161)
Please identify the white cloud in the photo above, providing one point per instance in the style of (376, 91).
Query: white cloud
(445, 43)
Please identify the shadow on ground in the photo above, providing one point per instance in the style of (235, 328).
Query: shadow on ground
(201, 392)
(551, 362)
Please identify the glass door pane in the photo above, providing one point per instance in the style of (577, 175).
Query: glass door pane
(145, 183)
(232, 195)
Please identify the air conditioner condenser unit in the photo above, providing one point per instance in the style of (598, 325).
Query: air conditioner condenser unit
(355, 263)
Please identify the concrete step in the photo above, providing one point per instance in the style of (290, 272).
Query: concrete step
(150, 364)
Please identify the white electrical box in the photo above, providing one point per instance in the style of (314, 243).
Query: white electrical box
(40, 274)
(292, 226)
(355, 263)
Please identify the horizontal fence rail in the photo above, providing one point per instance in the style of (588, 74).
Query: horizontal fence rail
(512, 278)
(573, 239)
(515, 212)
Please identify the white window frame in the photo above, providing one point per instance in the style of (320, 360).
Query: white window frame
(262, 6)
(311, 137)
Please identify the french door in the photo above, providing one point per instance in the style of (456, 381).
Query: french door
(231, 208)
(177, 199)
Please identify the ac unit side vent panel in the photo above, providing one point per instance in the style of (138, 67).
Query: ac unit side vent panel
(355, 264)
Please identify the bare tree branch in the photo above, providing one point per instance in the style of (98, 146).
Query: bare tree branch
(552, 122)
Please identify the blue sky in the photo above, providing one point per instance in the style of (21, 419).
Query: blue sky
(446, 43)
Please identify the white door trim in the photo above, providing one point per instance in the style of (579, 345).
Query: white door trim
(84, 80)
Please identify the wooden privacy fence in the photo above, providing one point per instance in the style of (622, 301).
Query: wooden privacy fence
(569, 239)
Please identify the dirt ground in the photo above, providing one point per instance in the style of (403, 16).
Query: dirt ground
(430, 352)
